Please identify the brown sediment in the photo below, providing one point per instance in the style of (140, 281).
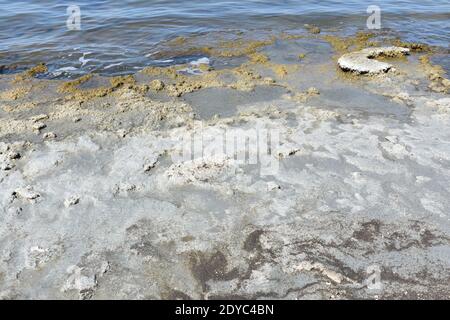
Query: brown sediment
(128, 82)
(71, 86)
(246, 78)
(304, 96)
(170, 72)
(74, 92)
(205, 67)
(436, 75)
(32, 72)
(312, 28)
(347, 44)
(258, 58)
(175, 83)
(14, 94)
(280, 70)
(157, 85)
(178, 41)
(413, 46)
(286, 36)
(122, 81)
(240, 47)
(225, 49)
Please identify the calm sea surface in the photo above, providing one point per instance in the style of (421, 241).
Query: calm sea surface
(119, 36)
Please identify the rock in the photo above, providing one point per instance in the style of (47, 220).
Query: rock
(104, 268)
(4, 147)
(201, 170)
(312, 28)
(13, 155)
(6, 164)
(313, 91)
(151, 163)
(38, 126)
(363, 61)
(39, 117)
(446, 83)
(84, 284)
(304, 96)
(49, 135)
(315, 266)
(37, 256)
(441, 105)
(272, 186)
(268, 80)
(393, 148)
(157, 85)
(9, 153)
(27, 193)
(73, 200)
(123, 188)
(122, 133)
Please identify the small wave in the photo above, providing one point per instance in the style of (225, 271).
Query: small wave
(83, 60)
(113, 65)
(200, 61)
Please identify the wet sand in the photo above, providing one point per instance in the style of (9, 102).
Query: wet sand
(92, 205)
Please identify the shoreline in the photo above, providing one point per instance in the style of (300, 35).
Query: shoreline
(94, 206)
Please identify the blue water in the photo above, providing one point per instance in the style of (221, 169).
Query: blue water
(119, 35)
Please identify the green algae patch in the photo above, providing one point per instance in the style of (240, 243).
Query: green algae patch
(157, 85)
(123, 81)
(14, 94)
(32, 72)
(413, 46)
(74, 92)
(436, 75)
(169, 72)
(313, 29)
(346, 44)
(240, 47)
(72, 86)
(258, 58)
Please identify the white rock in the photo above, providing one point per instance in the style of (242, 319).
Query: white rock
(27, 193)
(37, 256)
(73, 200)
(315, 266)
(77, 281)
(4, 147)
(272, 186)
(363, 61)
(39, 117)
(39, 126)
(49, 135)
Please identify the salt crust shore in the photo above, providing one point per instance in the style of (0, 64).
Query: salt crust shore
(92, 206)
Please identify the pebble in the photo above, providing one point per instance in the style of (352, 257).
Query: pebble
(73, 200)
(49, 135)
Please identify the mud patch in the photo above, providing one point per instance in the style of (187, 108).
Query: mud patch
(225, 102)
